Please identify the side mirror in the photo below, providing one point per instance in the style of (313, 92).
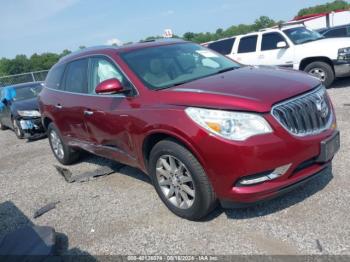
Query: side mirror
(282, 44)
(110, 86)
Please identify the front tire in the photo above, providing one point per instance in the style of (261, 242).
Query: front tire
(180, 181)
(2, 127)
(17, 129)
(322, 71)
(63, 153)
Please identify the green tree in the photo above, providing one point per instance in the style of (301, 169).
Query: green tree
(219, 33)
(22, 64)
(263, 22)
(17, 65)
(189, 36)
(65, 52)
(35, 62)
(48, 60)
(326, 8)
(3, 66)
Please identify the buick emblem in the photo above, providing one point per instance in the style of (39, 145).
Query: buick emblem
(322, 107)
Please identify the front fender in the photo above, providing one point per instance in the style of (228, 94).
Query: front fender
(172, 132)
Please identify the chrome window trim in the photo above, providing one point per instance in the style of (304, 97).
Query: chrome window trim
(326, 127)
(91, 56)
(83, 94)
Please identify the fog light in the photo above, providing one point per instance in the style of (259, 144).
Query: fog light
(267, 176)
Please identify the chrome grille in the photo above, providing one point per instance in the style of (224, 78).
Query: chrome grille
(304, 115)
(346, 57)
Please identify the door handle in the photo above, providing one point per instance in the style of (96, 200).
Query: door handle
(59, 106)
(261, 57)
(88, 113)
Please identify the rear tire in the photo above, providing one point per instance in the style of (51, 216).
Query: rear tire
(63, 153)
(322, 71)
(17, 129)
(187, 191)
(2, 127)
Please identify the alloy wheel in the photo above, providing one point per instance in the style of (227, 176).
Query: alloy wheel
(319, 73)
(175, 182)
(56, 144)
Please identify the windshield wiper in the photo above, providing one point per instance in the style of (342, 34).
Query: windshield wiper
(226, 69)
(183, 82)
(194, 79)
(176, 84)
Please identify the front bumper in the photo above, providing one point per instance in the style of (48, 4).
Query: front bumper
(32, 128)
(341, 68)
(226, 162)
(229, 204)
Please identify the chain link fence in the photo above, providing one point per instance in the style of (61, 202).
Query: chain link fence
(23, 78)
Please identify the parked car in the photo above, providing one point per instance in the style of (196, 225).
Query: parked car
(337, 31)
(202, 127)
(291, 46)
(19, 110)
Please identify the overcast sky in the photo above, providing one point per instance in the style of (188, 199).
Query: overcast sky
(37, 26)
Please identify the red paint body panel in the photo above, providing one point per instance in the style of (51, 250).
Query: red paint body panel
(249, 88)
(120, 125)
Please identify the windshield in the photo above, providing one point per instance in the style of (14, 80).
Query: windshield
(27, 92)
(301, 35)
(165, 66)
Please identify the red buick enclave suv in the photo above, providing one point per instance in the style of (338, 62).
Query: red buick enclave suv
(205, 129)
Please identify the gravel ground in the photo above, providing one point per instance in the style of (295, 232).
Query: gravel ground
(121, 213)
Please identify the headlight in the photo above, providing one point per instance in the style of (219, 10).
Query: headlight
(29, 113)
(230, 125)
(344, 53)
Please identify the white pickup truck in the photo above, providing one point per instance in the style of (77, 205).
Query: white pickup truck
(293, 46)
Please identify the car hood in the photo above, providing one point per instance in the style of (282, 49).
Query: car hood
(328, 43)
(27, 104)
(248, 89)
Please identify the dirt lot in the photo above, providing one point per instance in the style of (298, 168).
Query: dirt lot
(121, 213)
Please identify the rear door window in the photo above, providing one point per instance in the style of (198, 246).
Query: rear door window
(270, 41)
(223, 47)
(248, 44)
(339, 32)
(54, 78)
(76, 77)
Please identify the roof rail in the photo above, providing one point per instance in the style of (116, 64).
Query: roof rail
(163, 39)
(291, 23)
(281, 25)
(148, 40)
(91, 48)
(265, 29)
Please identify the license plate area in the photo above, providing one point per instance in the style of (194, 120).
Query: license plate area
(26, 124)
(329, 147)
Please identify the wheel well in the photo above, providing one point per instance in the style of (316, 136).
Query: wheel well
(152, 140)
(12, 118)
(46, 122)
(306, 61)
